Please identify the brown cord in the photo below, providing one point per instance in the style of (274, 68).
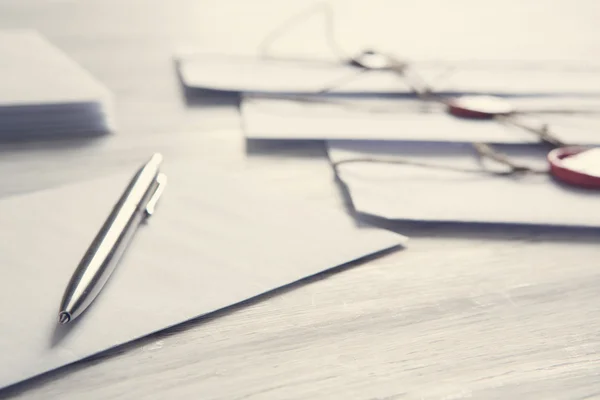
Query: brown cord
(317, 8)
(544, 132)
(485, 150)
(482, 149)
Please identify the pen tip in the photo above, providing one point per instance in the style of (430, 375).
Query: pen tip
(64, 317)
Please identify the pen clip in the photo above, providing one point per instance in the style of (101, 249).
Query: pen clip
(161, 182)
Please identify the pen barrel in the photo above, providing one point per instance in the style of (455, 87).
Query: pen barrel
(105, 251)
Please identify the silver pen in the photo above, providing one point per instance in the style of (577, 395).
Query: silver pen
(100, 259)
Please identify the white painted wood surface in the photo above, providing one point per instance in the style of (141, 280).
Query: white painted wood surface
(473, 313)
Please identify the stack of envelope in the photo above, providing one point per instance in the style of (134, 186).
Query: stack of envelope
(45, 94)
(402, 158)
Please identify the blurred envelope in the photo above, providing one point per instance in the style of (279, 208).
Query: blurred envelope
(230, 73)
(573, 120)
(427, 193)
(240, 73)
(216, 239)
(506, 78)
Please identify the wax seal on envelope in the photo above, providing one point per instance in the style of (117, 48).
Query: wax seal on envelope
(479, 107)
(576, 166)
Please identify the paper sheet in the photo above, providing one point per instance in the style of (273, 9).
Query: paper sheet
(414, 193)
(216, 239)
(413, 120)
(239, 73)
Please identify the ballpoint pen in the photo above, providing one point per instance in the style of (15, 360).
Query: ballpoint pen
(137, 203)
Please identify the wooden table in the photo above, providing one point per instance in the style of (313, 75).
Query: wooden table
(459, 314)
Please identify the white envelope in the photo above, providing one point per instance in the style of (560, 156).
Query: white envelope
(215, 240)
(239, 73)
(418, 193)
(406, 120)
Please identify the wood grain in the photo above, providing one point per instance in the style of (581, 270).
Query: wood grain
(467, 313)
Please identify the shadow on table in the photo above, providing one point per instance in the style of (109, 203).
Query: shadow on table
(287, 148)
(12, 142)
(483, 231)
(209, 98)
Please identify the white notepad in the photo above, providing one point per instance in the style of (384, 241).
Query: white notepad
(214, 240)
(44, 93)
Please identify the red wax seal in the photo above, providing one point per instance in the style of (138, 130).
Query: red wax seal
(479, 107)
(576, 166)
